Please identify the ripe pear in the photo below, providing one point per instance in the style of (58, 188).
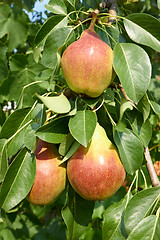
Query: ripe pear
(87, 64)
(96, 172)
(50, 179)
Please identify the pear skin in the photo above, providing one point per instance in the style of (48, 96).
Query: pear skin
(87, 64)
(50, 179)
(96, 172)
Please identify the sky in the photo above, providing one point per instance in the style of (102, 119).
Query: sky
(40, 7)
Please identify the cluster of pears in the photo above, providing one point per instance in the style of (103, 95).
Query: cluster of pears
(95, 172)
(87, 64)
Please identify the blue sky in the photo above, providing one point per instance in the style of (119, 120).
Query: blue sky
(39, 7)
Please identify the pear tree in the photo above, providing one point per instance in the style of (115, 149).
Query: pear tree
(80, 120)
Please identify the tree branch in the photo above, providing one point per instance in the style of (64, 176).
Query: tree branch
(112, 9)
(152, 173)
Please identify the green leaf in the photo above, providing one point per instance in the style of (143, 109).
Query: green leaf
(2, 143)
(54, 131)
(125, 105)
(5, 12)
(17, 62)
(145, 133)
(144, 29)
(91, 102)
(21, 85)
(144, 107)
(57, 7)
(68, 147)
(82, 126)
(72, 2)
(44, 75)
(16, 134)
(28, 91)
(91, 3)
(22, 170)
(9, 22)
(109, 100)
(140, 207)
(7, 233)
(32, 30)
(130, 149)
(148, 228)
(77, 214)
(110, 35)
(3, 160)
(54, 41)
(3, 61)
(71, 151)
(50, 25)
(29, 137)
(58, 104)
(66, 144)
(17, 142)
(133, 67)
(142, 129)
(37, 53)
(75, 230)
(156, 107)
(14, 122)
(112, 217)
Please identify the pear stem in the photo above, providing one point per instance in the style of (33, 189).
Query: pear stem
(94, 18)
(152, 173)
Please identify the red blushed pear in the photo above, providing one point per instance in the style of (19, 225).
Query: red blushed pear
(87, 63)
(96, 172)
(50, 179)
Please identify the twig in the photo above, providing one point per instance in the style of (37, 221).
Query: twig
(126, 97)
(152, 173)
(124, 93)
(154, 147)
(88, 17)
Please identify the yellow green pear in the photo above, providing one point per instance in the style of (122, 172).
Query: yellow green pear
(87, 63)
(96, 172)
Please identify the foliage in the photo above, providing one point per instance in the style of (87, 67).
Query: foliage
(32, 87)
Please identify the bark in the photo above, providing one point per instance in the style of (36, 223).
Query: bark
(152, 173)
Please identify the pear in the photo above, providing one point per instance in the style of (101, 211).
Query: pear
(50, 179)
(96, 172)
(87, 64)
